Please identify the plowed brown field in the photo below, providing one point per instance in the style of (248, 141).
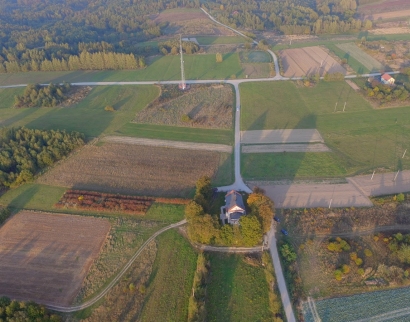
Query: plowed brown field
(45, 257)
(134, 169)
(300, 62)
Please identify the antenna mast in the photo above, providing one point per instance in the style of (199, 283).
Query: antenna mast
(183, 84)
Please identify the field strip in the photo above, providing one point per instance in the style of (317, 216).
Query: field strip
(387, 316)
(117, 278)
(389, 15)
(352, 85)
(169, 144)
(277, 148)
(365, 59)
(281, 136)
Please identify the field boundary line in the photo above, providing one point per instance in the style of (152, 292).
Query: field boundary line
(168, 143)
(387, 316)
(116, 278)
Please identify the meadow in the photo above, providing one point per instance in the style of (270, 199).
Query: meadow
(217, 40)
(127, 102)
(361, 138)
(160, 68)
(169, 286)
(237, 290)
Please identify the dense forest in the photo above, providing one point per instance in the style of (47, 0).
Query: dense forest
(62, 35)
(23, 152)
(36, 95)
(24, 311)
(290, 16)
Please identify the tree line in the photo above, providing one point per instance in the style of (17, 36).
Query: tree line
(84, 61)
(36, 95)
(23, 152)
(290, 16)
(12, 310)
(205, 228)
(172, 47)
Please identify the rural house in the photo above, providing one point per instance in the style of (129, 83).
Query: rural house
(234, 208)
(387, 79)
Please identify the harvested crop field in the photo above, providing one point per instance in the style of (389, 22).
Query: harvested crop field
(386, 6)
(365, 59)
(308, 61)
(133, 169)
(45, 257)
(390, 31)
(281, 136)
(169, 144)
(277, 148)
(202, 106)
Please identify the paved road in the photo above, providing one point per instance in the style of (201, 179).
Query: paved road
(68, 309)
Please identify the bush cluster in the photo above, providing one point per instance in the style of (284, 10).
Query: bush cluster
(24, 311)
(23, 152)
(36, 95)
(386, 93)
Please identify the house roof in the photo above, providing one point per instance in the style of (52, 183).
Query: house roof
(386, 77)
(236, 215)
(234, 199)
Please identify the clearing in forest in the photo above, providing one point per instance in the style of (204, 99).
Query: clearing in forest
(307, 61)
(133, 169)
(45, 257)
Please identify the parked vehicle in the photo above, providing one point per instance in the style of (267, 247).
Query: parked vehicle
(276, 219)
(285, 232)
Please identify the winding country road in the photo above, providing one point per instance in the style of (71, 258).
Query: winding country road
(237, 185)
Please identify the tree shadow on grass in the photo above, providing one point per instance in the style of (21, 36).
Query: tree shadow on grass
(18, 117)
(21, 200)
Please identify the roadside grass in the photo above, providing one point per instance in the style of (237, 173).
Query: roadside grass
(361, 138)
(237, 291)
(88, 116)
(276, 166)
(7, 96)
(160, 68)
(170, 283)
(175, 133)
(217, 40)
(225, 174)
(42, 197)
(351, 61)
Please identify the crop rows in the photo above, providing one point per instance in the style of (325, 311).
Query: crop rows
(105, 202)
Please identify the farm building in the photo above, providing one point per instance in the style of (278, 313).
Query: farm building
(387, 79)
(234, 208)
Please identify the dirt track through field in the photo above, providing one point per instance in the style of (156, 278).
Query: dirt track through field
(300, 62)
(276, 148)
(45, 257)
(281, 136)
(169, 144)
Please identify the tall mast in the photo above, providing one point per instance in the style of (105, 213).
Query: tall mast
(183, 84)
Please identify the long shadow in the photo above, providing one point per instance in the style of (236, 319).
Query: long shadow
(18, 117)
(23, 198)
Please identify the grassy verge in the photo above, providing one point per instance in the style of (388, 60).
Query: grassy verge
(170, 283)
(274, 166)
(237, 290)
(175, 133)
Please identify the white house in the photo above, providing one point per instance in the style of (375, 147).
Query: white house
(387, 79)
(234, 208)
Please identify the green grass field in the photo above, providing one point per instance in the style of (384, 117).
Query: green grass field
(88, 116)
(237, 291)
(188, 134)
(159, 68)
(351, 61)
(216, 40)
(42, 197)
(276, 166)
(361, 138)
(255, 56)
(362, 57)
(171, 280)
